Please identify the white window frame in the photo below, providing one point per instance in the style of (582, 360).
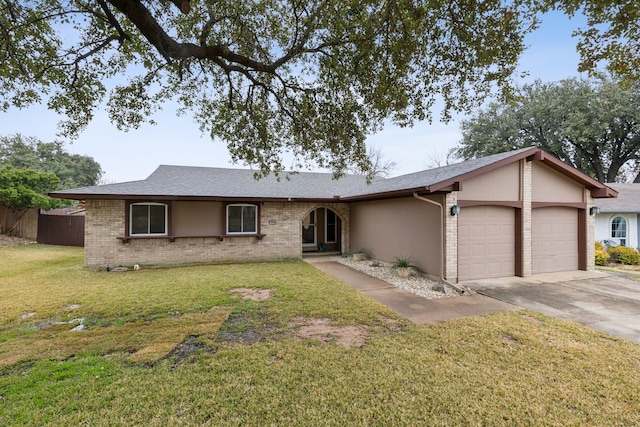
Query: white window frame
(623, 239)
(166, 219)
(255, 207)
(327, 238)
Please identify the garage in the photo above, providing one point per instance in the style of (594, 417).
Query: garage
(554, 239)
(486, 242)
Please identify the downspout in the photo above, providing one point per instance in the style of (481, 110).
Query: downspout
(456, 287)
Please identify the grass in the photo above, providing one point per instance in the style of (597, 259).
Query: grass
(517, 368)
(629, 271)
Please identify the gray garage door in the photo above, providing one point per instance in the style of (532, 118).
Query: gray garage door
(554, 239)
(486, 242)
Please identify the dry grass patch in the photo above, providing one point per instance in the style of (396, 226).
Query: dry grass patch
(253, 294)
(147, 342)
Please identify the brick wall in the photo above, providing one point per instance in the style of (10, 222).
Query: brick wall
(526, 195)
(280, 222)
(451, 238)
(591, 231)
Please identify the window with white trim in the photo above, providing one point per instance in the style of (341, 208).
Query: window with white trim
(619, 229)
(148, 219)
(242, 219)
(331, 226)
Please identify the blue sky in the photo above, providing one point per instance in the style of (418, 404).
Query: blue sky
(133, 155)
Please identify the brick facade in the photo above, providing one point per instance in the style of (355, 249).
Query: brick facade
(525, 196)
(591, 231)
(450, 238)
(279, 222)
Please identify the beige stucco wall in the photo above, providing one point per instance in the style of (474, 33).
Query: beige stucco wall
(551, 186)
(197, 218)
(280, 222)
(405, 227)
(501, 184)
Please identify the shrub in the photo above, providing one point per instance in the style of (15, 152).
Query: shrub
(624, 255)
(402, 262)
(599, 246)
(601, 257)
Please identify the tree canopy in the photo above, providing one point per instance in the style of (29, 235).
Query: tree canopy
(593, 125)
(22, 189)
(73, 170)
(311, 78)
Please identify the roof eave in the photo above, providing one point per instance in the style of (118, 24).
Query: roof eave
(389, 194)
(164, 197)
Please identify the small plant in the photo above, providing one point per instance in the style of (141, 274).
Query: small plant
(403, 266)
(402, 262)
(624, 255)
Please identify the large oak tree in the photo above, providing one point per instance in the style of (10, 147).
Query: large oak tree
(73, 170)
(593, 125)
(309, 77)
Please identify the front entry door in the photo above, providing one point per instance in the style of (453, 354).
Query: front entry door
(309, 241)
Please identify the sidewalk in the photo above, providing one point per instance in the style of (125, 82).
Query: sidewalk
(412, 307)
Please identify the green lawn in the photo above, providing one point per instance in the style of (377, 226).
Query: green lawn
(178, 346)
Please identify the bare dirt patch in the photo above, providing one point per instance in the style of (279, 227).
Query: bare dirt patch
(507, 339)
(248, 329)
(14, 241)
(532, 319)
(322, 330)
(185, 351)
(253, 294)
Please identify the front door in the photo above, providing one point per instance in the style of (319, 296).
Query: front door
(309, 241)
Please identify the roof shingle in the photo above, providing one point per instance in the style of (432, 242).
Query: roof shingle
(628, 200)
(202, 182)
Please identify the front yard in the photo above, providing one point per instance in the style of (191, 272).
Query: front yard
(280, 343)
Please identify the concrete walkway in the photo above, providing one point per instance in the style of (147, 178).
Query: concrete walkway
(412, 307)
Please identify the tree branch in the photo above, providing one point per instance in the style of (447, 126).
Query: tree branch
(170, 49)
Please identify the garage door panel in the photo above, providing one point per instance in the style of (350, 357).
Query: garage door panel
(486, 242)
(554, 239)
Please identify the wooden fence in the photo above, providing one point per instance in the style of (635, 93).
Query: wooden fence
(64, 230)
(26, 227)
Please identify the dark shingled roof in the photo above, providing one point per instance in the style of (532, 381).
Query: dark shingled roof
(628, 200)
(186, 182)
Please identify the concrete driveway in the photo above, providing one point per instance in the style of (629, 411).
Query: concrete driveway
(600, 301)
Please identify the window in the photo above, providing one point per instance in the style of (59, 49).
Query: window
(331, 228)
(148, 219)
(619, 230)
(242, 219)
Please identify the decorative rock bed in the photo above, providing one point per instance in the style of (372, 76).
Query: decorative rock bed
(416, 283)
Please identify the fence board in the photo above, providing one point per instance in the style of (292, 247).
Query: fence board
(26, 226)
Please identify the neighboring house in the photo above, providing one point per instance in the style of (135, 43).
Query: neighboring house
(617, 222)
(512, 214)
